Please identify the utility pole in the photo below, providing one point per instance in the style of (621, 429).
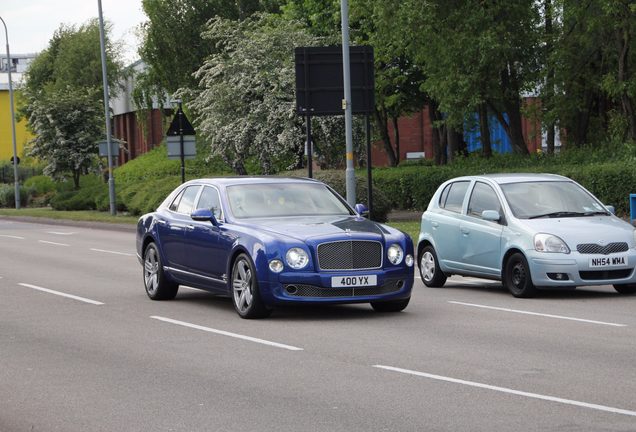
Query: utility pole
(16, 179)
(350, 176)
(111, 180)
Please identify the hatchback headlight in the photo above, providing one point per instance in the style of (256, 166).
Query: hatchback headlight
(297, 258)
(550, 243)
(395, 254)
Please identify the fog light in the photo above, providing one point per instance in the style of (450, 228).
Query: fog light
(276, 266)
(558, 276)
(409, 260)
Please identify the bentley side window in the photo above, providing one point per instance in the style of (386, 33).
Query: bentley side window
(186, 204)
(210, 200)
(175, 202)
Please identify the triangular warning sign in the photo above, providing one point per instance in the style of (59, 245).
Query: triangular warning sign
(180, 125)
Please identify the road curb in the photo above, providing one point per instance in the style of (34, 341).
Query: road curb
(67, 222)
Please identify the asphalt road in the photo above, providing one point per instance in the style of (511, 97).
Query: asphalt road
(83, 349)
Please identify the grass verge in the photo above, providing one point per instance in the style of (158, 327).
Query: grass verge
(80, 215)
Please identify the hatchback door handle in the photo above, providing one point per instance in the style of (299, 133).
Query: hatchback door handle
(434, 224)
(465, 231)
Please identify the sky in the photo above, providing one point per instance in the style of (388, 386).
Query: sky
(31, 23)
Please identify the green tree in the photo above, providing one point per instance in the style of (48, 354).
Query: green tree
(63, 99)
(172, 46)
(67, 124)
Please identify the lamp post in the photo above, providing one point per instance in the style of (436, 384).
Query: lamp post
(350, 176)
(111, 180)
(15, 151)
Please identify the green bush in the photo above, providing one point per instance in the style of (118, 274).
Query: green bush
(7, 196)
(40, 185)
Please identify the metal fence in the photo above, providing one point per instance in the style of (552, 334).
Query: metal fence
(6, 173)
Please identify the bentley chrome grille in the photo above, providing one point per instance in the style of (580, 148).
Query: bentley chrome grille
(593, 248)
(350, 255)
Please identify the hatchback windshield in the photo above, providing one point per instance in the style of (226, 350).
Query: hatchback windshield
(284, 199)
(550, 199)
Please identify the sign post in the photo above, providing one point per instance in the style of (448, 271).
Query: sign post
(180, 139)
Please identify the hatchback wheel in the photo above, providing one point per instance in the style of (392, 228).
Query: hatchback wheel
(517, 277)
(626, 289)
(157, 285)
(431, 274)
(245, 294)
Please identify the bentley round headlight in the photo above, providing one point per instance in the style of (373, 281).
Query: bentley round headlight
(276, 265)
(297, 258)
(550, 243)
(395, 254)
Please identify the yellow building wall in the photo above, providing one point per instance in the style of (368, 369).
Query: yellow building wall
(22, 135)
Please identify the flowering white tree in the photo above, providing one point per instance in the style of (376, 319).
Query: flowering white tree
(245, 106)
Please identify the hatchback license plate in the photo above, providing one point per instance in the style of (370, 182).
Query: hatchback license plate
(604, 262)
(354, 281)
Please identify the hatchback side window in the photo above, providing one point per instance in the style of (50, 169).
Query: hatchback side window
(483, 198)
(455, 197)
(210, 200)
(186, 203)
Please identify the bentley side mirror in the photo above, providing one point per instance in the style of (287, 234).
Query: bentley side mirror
(362, 210)
(204, 215)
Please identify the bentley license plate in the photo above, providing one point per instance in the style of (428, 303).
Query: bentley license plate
(604, 262)
(354, 281)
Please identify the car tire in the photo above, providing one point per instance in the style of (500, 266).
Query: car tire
(625, 289)
(390, 306)
(517, 278)
(245, 294)
(156, 283)
(432, 275)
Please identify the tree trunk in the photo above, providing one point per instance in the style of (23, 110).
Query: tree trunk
(438, 135)
(622, 45)
(396, 134)
(549, 92)
(484, 130)
(382, 122)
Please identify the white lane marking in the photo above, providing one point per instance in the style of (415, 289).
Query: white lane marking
(60, 233)
(538, 314)
(12, 236)
(53, 243)
(511, 391)
(71, 296)
(225, 333)
(112, 252)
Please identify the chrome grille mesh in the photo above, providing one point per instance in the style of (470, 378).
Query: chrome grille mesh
(350, 255)
(593, 248)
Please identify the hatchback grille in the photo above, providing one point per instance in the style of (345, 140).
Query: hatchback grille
(350, 255)
(304, 290)
(605, 274)
(593, 248)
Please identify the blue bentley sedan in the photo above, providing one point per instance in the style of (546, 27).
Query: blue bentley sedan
(268, 241)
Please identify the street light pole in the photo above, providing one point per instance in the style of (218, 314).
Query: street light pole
(111, 180)
(350, 176)
(15, 151)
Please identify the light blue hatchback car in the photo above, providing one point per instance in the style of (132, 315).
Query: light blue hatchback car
(530, 231)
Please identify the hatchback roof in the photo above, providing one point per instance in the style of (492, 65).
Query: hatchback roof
(504, 178)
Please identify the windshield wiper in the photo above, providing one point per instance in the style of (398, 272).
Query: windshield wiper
(558, 214)
(596, 213)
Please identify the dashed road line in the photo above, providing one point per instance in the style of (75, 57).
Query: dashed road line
(12, 236)
(53, 243)
(225, 333)
(112, 252)
(61, 294)
(538, 314)
(510, 391)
